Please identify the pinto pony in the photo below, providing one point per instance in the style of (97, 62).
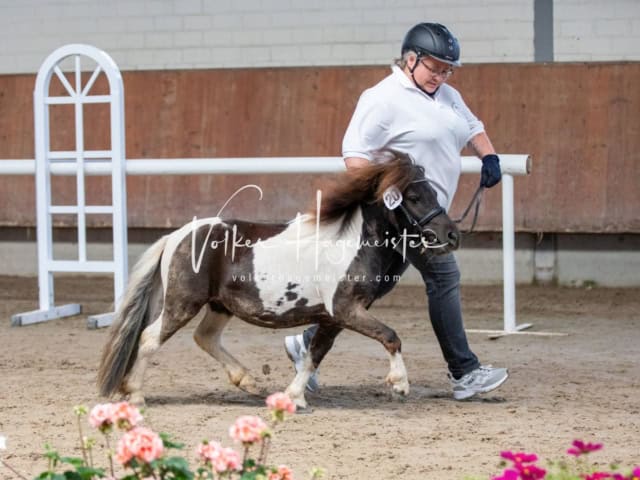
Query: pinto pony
(326, 267)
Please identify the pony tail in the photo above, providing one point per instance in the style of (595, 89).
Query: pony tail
(121, 350)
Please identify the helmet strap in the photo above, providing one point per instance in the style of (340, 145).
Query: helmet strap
(418, 86)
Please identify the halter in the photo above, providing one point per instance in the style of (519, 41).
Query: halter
(419, 223)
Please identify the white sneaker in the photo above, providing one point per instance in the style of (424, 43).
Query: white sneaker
(481, 380)
(296, 351)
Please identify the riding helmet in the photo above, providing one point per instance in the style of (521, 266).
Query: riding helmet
(435, 40)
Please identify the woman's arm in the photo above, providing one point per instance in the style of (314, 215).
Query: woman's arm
(491, 173)
(355, 162)
(481, 145)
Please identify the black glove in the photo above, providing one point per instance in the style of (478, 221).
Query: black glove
(490, 174)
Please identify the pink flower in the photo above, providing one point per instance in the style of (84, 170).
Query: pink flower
(519, 457)
(530, 472)
(125, 415)
(101, 417)
(283, 473)
(248, 429)
(508, 474)
(581, 448)
(140, 443)
(635, 475)
(598, 476)
(280, 402)
(219, 458)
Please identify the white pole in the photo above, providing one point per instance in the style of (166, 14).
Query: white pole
(508, 249)
(118, 185)
(43, 191)
(512, 164)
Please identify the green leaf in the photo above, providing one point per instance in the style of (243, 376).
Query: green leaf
(52, 455)
(69, 475)
(52, 476)
(176, 467)
(168, 443)
(45, 476)
(88, 473)
(130, 477)
(75, 461)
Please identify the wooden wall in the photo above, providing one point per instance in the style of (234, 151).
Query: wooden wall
(580, 123)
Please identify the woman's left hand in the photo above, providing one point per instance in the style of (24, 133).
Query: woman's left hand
(490, 174)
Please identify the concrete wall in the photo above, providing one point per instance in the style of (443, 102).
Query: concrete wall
(575, 260)
(166, 34)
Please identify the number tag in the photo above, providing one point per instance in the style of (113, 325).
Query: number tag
(392, 197)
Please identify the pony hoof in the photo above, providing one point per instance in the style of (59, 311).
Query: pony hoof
(304, 410)
(399, 386)
(249, 385)
(401, 389)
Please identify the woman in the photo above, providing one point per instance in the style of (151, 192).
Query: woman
(414, 111)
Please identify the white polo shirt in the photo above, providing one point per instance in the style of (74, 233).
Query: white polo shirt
(395, 114)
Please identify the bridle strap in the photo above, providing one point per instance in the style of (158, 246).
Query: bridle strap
(426, 218)
(475, 200)
(431, 215)
(418, 224)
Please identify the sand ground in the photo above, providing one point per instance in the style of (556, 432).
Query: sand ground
(583, 385)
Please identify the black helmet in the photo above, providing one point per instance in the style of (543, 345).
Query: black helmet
(434, 40)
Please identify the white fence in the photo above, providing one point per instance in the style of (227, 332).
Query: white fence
(81, 162)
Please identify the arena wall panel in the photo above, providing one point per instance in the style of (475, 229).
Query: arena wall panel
(579, 122)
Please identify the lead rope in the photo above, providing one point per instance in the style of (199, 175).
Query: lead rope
(476, 199)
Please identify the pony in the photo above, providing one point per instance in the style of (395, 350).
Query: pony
(326, 267)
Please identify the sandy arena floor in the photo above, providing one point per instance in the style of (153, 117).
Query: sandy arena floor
(583, 385)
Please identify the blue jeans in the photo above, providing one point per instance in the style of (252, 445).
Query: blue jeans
(442, 279)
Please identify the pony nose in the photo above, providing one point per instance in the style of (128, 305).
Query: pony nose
(454, 238)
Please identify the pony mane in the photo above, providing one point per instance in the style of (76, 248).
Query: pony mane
(341, 198)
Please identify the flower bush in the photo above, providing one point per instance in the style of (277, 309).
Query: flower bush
(522, 466)
(142, 454)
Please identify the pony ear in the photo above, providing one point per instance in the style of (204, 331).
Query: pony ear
(392, 197)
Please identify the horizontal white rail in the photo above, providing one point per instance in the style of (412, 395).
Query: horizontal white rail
(510, 164)
(95, 163)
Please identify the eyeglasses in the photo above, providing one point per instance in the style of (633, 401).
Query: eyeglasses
(443, 74)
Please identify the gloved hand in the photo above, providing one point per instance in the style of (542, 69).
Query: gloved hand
(490, 174)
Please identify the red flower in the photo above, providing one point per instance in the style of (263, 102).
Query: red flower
(519, 457)
(508, 474)
(581, 448)
(530, 472)
(598, 476)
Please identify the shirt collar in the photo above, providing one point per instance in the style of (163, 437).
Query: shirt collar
(406, 82)
(399, 74)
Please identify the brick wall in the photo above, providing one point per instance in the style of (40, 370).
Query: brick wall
(593, 30)
(164, 34)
